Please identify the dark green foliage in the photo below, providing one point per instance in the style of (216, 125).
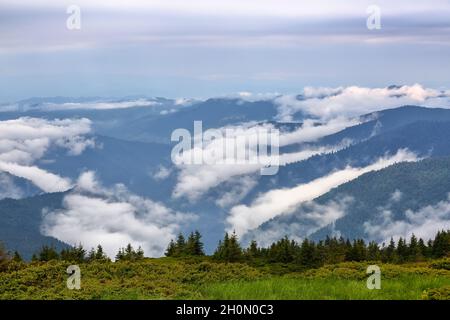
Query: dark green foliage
(182, 248)
(74, 254)
(229, 249)
(97, 255)
(309, 254)
(129, 254)
(47, 253)
(17, 257)
(441, 244)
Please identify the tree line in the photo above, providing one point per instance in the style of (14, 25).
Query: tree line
(315, 254)
(305, 253)
(312, 254)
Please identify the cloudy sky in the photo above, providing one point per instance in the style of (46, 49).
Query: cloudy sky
(201, 48)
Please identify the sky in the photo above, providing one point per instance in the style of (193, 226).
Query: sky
(204, 48)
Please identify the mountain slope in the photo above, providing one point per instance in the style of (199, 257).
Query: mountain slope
(398, 190)
(21, 220)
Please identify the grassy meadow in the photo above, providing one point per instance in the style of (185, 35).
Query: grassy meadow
(203, 278)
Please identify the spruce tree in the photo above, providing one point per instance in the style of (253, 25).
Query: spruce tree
(171, 249)
(48, 253)
(17, 257)
(198, 244)
(414, 251)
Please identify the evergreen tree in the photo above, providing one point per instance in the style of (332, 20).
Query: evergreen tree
(47, 253)
(389, 253)
(252, 251)
(373, 251)
(17, 257)
(171, 249)
(441, 244)
(423, 249)
(402, 250)
(229, 249)
(308, 255)
(180, 247)
(198, 244)
(97, 255)
(129, 254)
(414, 251)
(100, 254)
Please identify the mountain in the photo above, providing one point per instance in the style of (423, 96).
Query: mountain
(400, 191)
(21, 221)
(132, 148)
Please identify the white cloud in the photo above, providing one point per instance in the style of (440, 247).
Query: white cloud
(113, 217)
(100, 105)
(162, 173)
(424, 223)
(273, 203)
(240, 187)
(8, 189)
(46, 181)
(23, 141)
(195, 180)
(309, 217)
(352, 101)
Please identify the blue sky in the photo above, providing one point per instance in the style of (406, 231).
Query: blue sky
(201, 48)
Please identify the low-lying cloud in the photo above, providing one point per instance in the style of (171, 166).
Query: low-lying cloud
(195, 180)
(352, 101)
(273, 203)
(309, 217)
(23, 141)
(423, 223)
(113, 217)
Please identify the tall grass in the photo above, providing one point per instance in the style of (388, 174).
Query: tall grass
(408, 287)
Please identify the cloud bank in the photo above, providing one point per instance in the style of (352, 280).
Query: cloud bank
(23, 141)
(113, 217)
(273, 203)
(326, 103)
(423, 223)
(310, 216)
(195, 180)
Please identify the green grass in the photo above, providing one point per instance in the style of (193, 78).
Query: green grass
(409, 287)
(167, 278)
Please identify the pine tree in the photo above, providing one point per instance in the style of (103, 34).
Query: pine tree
(308, 255)
(414, 251)
(189, 248)
(389, 254)
(402, 250)
(180, 247)
(441, 244)
(97, 255)
(48, 253)
(17, 257)
(373, 251)
(235, 250)
(252, 251)
(229, 249)
(198, 244)
(423, 249)
(171, 249)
